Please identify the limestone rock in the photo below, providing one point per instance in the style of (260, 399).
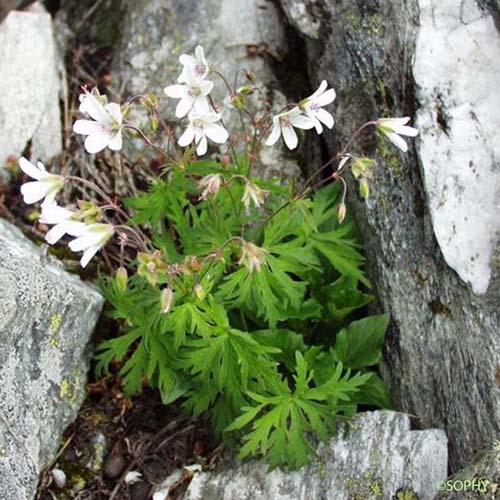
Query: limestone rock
(377, 458)
(46, 319)
(430, 227)
(29, 87)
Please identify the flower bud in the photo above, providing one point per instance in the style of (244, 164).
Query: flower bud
(252, 256)
(361, 167)
(121, 278)
(210, 184)
(151, 266)
(253, 193)
(341, 212)
(199, 292)
(364, 188)
(166, 300)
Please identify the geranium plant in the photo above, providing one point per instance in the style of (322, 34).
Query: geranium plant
(235, 294)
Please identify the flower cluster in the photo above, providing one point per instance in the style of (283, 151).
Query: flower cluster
(193, 93)
(89, 237)
(104, 126)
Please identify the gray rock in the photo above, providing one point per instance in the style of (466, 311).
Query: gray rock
(29, 87)
(236, 35)
(46, 319)
(376, 458)
(480, 479)
(431, 224)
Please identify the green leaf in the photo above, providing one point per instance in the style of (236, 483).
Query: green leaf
(360, 344)
(374, 392)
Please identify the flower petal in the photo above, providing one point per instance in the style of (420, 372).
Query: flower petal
(87, 127)
(97, 142)
(93, 107)
(320, 89)
(176, 91)
(34, 191)
(202, 146)
(290, 136)
(187, 137)
(115, 111)
(216, 133)
(301, 121)
(408, 131)
(184, 106)
(30, 169)
(397, 141)
(325, 117)
(275, 133)
(116, 142)
(326, 98)
(88, 254)
(206, 87)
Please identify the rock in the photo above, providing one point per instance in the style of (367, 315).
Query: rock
(236, 35)
(433, 259)
(480, 479)
(8, 5)
(46, 319)
(458, 148)
(29, 87)
(377, 458)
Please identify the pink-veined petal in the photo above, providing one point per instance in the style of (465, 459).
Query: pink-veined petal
(176, 91)
(187, 137)
(325, 117)
(202, 146)
(30, 169)
(87, 127)
(290, 136)
(216, 133)
(116, 143)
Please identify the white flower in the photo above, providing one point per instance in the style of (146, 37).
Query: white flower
(132, 477)
(193, 95)
(211, 184)
(90, 239)
(46, 185)
(63, 219)
(253, 193)
(105, 128)
(284, 123)
(202, 126)
(193, 67)
(393, 128)
(313, 107)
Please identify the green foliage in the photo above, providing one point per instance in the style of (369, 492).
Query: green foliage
(262, 332)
